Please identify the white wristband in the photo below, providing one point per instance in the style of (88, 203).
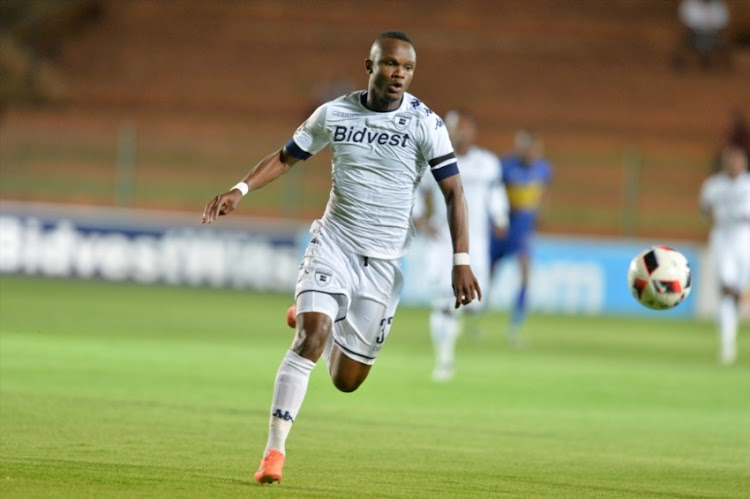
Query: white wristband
(460, 259)
(242, 187)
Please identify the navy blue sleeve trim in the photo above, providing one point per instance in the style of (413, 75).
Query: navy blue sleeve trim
(445, 172)
(437, 161)
(296, 151)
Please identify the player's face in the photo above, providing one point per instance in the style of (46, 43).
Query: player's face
(461, 131)
(391, 66)
(735, 161)
(535, 150)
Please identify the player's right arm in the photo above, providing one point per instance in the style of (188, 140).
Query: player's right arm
(309, 138)
(267, 170)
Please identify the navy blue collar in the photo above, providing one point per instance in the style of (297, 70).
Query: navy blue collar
(363, 101)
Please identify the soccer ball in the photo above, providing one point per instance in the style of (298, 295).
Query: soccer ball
(660, 277)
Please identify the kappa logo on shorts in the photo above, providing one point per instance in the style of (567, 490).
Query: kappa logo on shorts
(323, 277)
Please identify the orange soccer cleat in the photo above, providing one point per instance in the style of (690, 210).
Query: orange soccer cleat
(270, 467)
(291, 316)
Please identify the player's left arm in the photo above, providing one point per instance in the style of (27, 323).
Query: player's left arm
(435, 143)
(465, 285)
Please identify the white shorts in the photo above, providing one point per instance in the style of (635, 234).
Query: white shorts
(366, 292)
(731, 255)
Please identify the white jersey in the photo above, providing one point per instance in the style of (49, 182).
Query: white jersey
(378, 160)
(728, 200)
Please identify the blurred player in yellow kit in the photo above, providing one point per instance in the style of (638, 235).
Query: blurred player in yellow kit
(526, 175)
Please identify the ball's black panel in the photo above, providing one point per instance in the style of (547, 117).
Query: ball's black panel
(649, 261)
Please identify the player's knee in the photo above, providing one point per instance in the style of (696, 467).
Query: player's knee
(311, 338)
(346, 384)
(309, 345)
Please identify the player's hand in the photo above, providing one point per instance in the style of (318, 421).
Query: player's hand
(465, 285)
(222, 204)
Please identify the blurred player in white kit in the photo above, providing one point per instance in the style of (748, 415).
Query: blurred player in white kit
(725, 200)
(487, 203)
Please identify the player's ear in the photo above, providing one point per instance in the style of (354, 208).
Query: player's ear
(368, 65)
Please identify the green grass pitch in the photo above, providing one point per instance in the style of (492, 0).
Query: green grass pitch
(111, 390)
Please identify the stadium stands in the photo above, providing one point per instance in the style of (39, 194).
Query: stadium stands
(210, 86)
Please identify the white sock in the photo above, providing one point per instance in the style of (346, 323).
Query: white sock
(288, 393)
(444, 331)
(728, 324)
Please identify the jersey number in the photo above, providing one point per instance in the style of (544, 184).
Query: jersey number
(385, 325)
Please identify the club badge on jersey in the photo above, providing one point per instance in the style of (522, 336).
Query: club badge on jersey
(323, 277)
(402, 121)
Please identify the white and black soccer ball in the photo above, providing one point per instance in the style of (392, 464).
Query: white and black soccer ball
(660, 277)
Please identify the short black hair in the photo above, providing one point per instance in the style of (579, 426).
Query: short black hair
(398, 35)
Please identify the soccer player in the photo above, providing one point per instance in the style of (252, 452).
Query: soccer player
(526, 175)
(382, 139)
(725, 200)
(487, 202)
